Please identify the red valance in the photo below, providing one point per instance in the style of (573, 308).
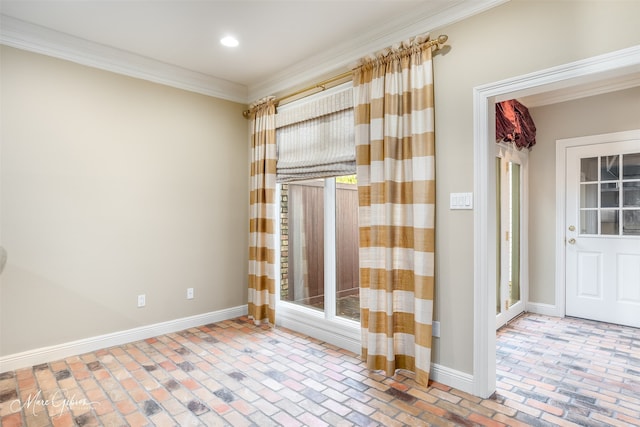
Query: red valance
(515, 125)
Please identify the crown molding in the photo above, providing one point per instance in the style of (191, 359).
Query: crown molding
(343, 56)
(581, 91)
(34, 38)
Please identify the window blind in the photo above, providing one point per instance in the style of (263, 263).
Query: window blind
(315, 138)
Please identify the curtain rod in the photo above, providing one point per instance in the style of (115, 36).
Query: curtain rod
(442, 39)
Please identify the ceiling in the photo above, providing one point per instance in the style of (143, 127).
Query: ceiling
(178, 40)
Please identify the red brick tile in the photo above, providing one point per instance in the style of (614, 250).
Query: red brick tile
(545, 407)
(136, 419)
(482, 420)
(430, 408)
(126, 406)
(13, 420)
(63, 420)
(221, 408)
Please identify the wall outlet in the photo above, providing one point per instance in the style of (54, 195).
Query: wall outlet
(189, 293)
(142, 300)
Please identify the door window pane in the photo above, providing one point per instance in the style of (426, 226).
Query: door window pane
(631, 166)
(609, 222)
(589, 222)
(609, 195)
(631, 194)
(609, 168)
(588, 195)
(589, 169)
(631, 224)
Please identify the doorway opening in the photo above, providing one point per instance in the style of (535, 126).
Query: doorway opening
(594, 75)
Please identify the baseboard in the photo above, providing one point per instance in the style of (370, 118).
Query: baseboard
(452, 378)
(298, 320)
(60, 351)
(337, 333)
(439, 373)
(544, 309)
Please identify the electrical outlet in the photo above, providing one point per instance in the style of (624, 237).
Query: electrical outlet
(142, 300)
(435, 329)
(189, 293)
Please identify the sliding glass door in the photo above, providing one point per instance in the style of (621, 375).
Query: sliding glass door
(319, 246)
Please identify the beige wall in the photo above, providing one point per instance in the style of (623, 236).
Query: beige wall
(613, 112)
(114, 187)
(516, 38)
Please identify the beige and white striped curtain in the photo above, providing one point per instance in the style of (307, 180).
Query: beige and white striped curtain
(393, 102)
(262, 238)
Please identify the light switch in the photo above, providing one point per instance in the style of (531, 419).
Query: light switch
(461, 201)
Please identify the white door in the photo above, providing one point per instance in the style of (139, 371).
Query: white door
(602, 236)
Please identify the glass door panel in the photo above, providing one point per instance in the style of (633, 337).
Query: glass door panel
(509, 219)
(347, 248)
(319, 245)
(302, 224)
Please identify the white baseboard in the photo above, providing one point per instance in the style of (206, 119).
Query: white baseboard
(439, 373)
(452, 378)
(343, 334)
(293, 318)
(544, 309)
(60, 351)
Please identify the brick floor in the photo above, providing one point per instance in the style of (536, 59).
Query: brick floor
(551, 372)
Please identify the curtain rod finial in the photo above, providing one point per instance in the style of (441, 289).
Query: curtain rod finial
(442, 39)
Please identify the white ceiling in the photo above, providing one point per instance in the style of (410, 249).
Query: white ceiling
(280, 41)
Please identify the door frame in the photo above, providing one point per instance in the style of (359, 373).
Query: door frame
(562, 145)
(625, 62)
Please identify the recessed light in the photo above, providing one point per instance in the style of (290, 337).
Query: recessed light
(229, 41)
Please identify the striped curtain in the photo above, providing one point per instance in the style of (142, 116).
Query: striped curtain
(262, 238)
(393, 102)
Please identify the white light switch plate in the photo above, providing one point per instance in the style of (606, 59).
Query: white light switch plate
(461, 201)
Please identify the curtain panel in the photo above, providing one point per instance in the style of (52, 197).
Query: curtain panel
(395, 158)
(262, 238)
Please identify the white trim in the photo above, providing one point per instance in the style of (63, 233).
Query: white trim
(545, 309)
(484, 253)
(452, 378)
(60, 351)
(602, 67)
(581, 91)
(560, 289)
(340, 332)
(34, 38)
(561, 181)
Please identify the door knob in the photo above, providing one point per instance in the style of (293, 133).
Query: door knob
(572, 228)
(572, 241)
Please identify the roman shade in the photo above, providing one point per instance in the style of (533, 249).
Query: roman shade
(315, 139)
